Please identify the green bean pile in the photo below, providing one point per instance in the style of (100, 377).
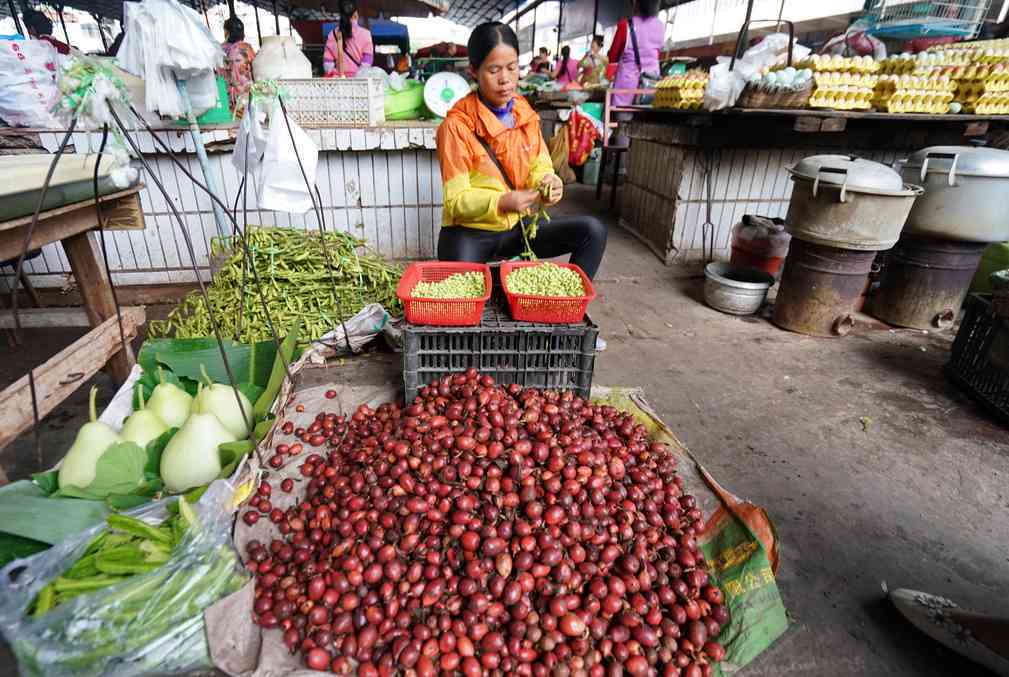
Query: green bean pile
(545, 279)
(292, 268)
(455, 286)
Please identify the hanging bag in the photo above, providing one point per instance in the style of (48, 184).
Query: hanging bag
(645, 80)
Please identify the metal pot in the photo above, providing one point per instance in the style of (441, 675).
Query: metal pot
(849, 203)
(965, 193)
(736, 290)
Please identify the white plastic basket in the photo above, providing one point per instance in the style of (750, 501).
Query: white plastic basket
(344, 102)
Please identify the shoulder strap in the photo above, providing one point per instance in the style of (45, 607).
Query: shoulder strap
(349, 55)
(494, 159)
(634, 41)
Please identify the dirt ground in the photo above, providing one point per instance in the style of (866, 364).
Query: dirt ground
(872, 466)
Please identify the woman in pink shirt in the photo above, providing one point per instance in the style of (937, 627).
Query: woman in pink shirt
(645, 28)
(567, 68)
(349, 46)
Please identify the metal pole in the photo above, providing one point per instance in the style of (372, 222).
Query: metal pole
(101, 33)
(63, 23)
(518, 4)
(560, 27)
(595, 19)
(276, 18)
(17, 21)
(231, 8)
(201, 155)
(534, 31)
(259, 30)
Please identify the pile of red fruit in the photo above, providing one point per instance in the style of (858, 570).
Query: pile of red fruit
(487, 529)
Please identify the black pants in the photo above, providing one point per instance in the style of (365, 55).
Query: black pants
(584, 237)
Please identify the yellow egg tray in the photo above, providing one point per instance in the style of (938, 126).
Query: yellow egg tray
(992, 104)
(938, 83)
(842, 97)
(682, 92)
(679, 105)
(912, 101)
(844, 64)
(828, 79)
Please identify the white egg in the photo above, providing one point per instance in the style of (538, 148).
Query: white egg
(955, 108)
(771, 79)
(789, 72)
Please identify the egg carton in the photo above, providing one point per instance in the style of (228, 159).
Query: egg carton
(679, 105)
(827, 79)
(913, 101)
(992, 104)
(842, 98)
(935, 83)
(857, 64)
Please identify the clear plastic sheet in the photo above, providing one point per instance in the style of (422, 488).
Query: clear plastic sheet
(150, 623)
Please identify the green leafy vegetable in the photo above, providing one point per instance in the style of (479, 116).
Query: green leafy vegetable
(27, 512)
(48, 481)
(15, 547)
(287, 350)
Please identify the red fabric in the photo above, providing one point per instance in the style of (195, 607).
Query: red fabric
(619, 42)
(582, 135)
(61, 47)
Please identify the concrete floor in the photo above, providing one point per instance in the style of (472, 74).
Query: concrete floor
(916, 497)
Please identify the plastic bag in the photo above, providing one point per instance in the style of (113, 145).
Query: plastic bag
(28, 87)
(724, 86)
(282, 185)
(358, 332)
(148, 624)
(250, 142)
(855, 43)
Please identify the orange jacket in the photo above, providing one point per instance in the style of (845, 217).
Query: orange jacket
(473, 184)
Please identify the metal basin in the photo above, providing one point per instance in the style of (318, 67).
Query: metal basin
(734, 289)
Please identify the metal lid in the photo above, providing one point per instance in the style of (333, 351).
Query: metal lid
(962, 160)
(849, 172)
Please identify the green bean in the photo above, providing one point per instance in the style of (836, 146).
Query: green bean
(292, 268)
(545, 279)
(455, 286)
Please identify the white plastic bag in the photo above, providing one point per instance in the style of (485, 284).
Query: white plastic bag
(250, 142)
(282, 185)
(724, 86)
(28, 87)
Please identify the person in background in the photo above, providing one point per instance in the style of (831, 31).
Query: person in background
(541, 62)
(645, 28)
(349, 46)
(237, 70)
(592, 67)
(494, 163)
(40, 27)
(567, 69)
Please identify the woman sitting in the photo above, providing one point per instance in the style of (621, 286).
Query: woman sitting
(494, 165)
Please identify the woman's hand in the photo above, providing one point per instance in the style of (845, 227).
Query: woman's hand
(553, 189)
(519, 201)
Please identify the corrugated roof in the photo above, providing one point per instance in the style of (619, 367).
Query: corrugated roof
(473, 12)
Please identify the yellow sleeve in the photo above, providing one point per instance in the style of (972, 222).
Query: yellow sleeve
(463, 203)
(542, 166)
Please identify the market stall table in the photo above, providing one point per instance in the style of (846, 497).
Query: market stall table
(692, 175)
(71, 226)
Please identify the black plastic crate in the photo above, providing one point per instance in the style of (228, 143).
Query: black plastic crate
(979, 361)
(560, 356)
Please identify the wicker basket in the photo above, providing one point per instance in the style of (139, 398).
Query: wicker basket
(754, 97)
(343, 102)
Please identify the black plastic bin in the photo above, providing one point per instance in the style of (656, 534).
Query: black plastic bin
(559, 356)
(979, 361)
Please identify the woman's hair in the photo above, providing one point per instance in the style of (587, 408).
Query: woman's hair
(486, 37)
(648, 8)
(347, 10)
(598, 39)
(565, 57)
(36, 22)
(234, 30)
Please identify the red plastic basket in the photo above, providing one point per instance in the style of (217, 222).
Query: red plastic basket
(547, 309)
(441, 312)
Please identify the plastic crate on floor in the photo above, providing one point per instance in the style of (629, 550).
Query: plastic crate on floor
(979, 360)
(559, 356)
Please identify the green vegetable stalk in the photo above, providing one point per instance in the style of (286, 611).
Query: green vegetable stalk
(292, 267)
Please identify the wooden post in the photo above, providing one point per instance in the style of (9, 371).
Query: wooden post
(93, 283)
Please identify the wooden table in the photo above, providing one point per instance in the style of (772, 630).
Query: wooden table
(73, 226)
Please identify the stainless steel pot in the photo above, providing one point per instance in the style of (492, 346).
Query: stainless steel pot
(848, 203)
(965, 193)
